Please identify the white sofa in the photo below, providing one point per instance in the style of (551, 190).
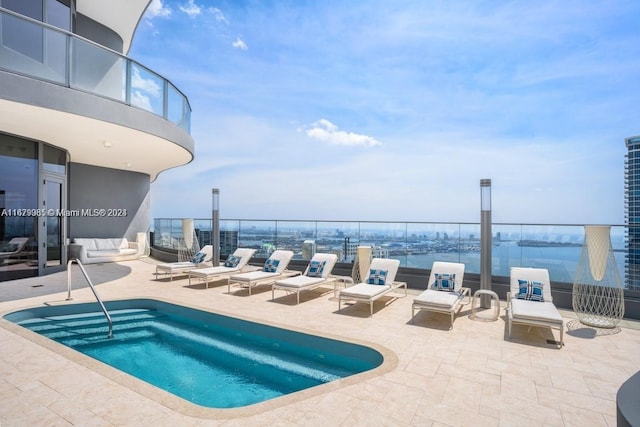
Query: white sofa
(98, 250)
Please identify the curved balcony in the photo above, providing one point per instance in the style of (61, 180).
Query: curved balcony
(95, 96)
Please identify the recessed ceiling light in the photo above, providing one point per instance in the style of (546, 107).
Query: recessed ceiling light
(106, 144)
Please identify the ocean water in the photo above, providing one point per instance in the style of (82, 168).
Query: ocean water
(561, 261)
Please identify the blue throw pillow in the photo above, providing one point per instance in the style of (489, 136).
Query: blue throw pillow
(377, 277)
(529, 290)
(316, 268)
(444, 282)
(271, 265)
(232, 261)
(198, 258)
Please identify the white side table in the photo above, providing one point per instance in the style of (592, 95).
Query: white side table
(489, 314)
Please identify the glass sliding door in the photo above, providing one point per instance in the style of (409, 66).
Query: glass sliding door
(18, 205)
(52, 223)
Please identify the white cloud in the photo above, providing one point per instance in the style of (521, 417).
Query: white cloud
(191, 9)
(326, 131)
(217, 13)
(141, 100)
(156, 8)
(149, 86)
(240, 44)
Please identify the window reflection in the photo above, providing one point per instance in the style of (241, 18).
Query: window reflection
(18, 198)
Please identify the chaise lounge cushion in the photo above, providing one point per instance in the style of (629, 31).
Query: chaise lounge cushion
(438, 298)
(364, 290)
(535, 310)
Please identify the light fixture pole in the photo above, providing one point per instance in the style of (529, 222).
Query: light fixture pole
(485, 240)
(215, 226)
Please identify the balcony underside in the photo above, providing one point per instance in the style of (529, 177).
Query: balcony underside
(94, 130)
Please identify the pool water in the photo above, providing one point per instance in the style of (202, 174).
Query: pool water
(209, 359)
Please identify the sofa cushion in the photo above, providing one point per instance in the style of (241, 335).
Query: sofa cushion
(103, 253)
(106, 244)
(88, 244)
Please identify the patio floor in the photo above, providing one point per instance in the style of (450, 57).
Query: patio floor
(468, 376)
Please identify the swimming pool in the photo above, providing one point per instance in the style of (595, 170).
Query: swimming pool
(209, 359)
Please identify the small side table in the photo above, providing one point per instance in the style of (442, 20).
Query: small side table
(486, 315)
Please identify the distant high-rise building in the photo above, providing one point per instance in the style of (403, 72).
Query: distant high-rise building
(228, 241)
(308, 249)
(632, 212)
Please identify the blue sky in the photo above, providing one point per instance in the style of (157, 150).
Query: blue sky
(394, 110)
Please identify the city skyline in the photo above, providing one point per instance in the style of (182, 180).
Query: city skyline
(391, 111)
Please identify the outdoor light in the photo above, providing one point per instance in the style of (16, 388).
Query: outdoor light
(485, 240)
(215, 225)
(485, 194)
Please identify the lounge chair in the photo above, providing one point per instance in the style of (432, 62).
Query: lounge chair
(199, 260)
(444, 292)
(274, 268)
(381, 281)
(235, 263)
(13, 248)
(529, 301)
(316, 274)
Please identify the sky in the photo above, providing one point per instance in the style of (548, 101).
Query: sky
(394, 110)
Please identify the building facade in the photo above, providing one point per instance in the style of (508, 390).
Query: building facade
(84, 129)
(632, 212)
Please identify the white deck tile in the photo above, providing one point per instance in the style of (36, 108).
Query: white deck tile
(470, 375)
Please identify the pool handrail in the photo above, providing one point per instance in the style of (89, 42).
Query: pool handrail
(93, 289)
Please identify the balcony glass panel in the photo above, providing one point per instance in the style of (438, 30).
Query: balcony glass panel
(58, 14)
(176, 108)
(24, 38)
(97, 70)
(46, 53)
(147, 89)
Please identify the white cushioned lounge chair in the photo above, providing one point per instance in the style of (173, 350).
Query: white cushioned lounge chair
(444, 292)
(12, 248)
(529, 301)
(316, 274)
(274, 268)
(381, 281)
(204, 256)
(236, 262)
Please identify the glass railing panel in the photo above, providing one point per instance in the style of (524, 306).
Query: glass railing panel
(556, 248)
(260, 235)
(468, 238)
(34, 50)
(147, 89)
(168, 232)
(505, 250)
(340, 238)
(43, 52)
(618, 242)
(202, 228)
(297, 236)
(176, 106)
(387, 239)
(229, 237)
(97, 70)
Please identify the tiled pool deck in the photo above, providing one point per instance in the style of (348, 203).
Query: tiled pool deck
(468, 376)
